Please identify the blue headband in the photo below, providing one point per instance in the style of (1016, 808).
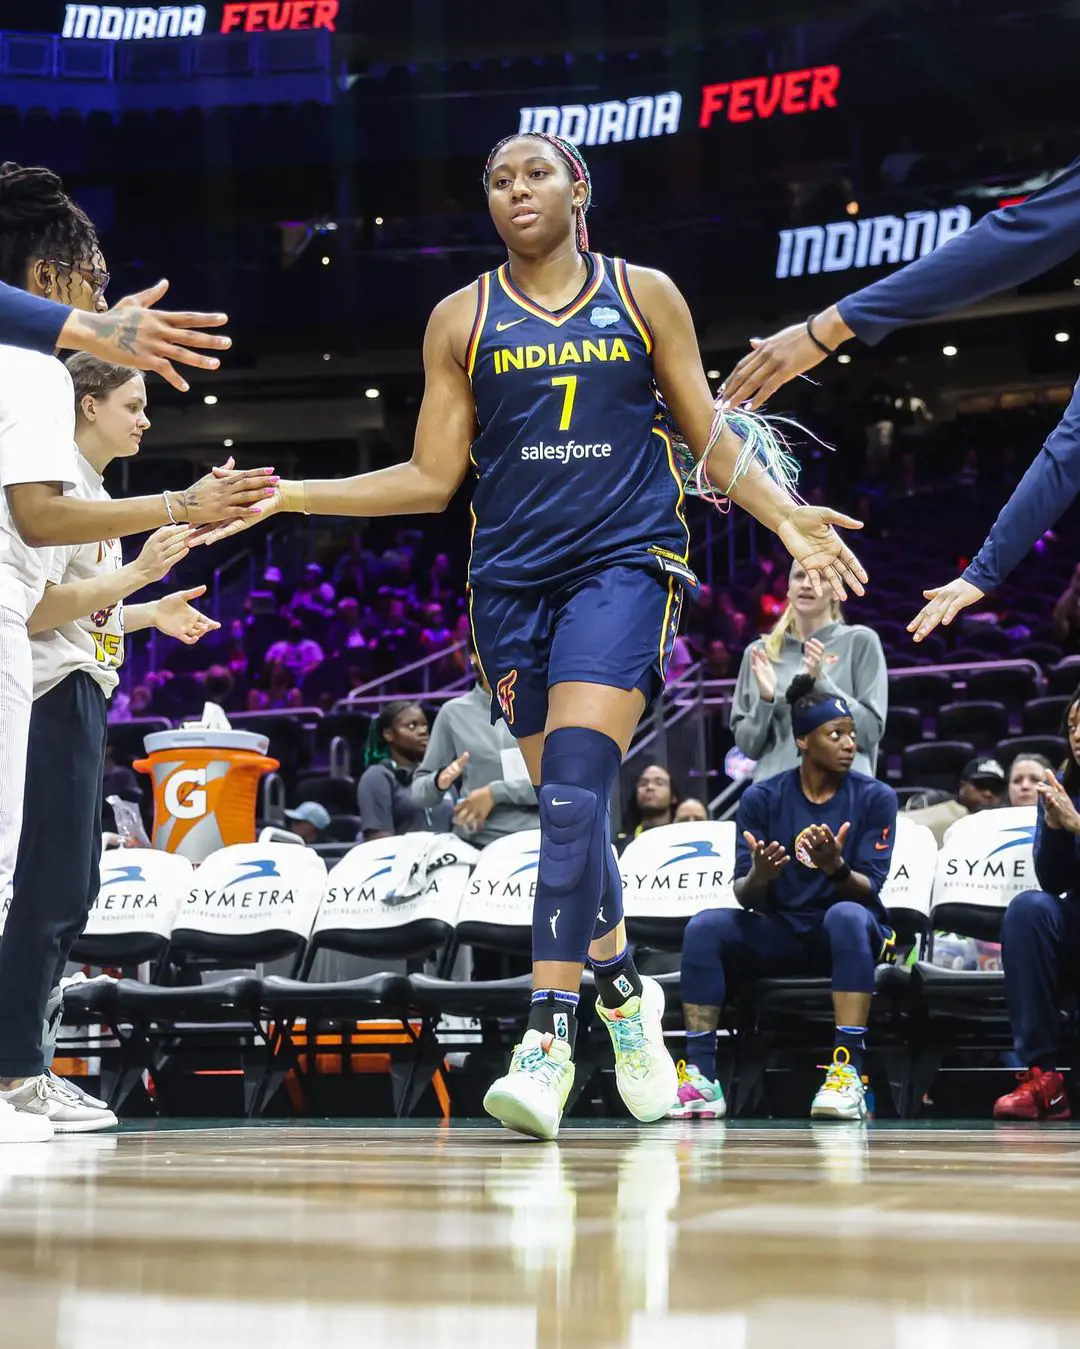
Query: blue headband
(810, 716)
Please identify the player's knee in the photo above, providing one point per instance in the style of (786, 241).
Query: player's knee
(1032, 909)
(571, 834)
(846, 925)
(705, 933)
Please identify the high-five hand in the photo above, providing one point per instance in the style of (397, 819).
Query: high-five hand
(767, 860)
(942, 606)
(163, 550)
(175, 616)
(808, 535)
(227, 494)
(134, 334)
(774, 360)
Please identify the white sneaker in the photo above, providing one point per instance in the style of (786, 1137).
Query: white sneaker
(51, 1099)
(15, 1127)
(644, 1070)
(76, 1090)
(532, 1096)
(842, 1094)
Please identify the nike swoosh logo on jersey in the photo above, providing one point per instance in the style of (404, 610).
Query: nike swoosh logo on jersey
(1057, 1100)
(501, 327)
(559, 803)
(881, 847)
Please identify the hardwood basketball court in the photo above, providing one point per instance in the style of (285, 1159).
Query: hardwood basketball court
(734, 1236)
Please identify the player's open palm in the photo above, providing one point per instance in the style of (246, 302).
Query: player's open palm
(229, 493)
(163, 550)
(175, 616)
(809, 534)
(826, 849)
(767, 860)
(942, 606)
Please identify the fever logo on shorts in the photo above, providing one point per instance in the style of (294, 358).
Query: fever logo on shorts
(504, 691)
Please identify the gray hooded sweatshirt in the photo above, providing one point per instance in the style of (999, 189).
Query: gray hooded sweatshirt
(853, 667)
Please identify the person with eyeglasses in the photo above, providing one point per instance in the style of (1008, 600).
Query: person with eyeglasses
(49, 248)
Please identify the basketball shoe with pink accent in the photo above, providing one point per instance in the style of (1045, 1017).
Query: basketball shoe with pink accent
(697, 1097)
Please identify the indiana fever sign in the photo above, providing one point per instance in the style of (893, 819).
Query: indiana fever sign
(129, 23)
(879, 240)
(789, 93)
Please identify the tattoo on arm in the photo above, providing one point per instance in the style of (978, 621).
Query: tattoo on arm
(190, 499)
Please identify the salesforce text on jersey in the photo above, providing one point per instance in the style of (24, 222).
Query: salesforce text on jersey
(562, 454)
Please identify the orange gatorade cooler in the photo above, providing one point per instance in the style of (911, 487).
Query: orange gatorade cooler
(205, 786)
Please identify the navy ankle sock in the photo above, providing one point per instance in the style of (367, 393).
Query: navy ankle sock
(701, 1052)
(853, 1039)
(617, 980)
(554, 1012)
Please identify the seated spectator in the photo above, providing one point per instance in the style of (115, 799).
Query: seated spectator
(690, 809)
(467, 757)
(813, 851)
(656, 798)
(308, 821)
(218, 684)
(313, 594)
(729, 623)
(435, 635)
(440, 588)
(1066, 618)
(352, 568)
(717, 659)
(811, 637)
(395, 749)
(297, 652)
(344, 632)
(1040, 944)
(982, 786)
(278, 689)
(1027, 772)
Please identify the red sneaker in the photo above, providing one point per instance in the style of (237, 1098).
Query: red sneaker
(1039, 1096)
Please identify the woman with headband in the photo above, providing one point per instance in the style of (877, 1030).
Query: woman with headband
(813, 851)
(544, 375)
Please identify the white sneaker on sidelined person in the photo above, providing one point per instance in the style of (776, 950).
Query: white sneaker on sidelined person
(16, 1127)
(644, 1070)
(51, 1099)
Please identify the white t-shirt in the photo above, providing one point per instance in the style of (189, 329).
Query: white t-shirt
(95, 643)
(37, 444)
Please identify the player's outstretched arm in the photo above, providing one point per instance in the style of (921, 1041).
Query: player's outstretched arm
(45, 517)
(1042, 496)
(1007, 247)
(807, 532)
(134, 334)
(444, 432)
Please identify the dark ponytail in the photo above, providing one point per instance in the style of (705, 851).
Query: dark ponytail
(38, 220)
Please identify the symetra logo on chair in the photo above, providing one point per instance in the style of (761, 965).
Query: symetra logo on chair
(123, 876)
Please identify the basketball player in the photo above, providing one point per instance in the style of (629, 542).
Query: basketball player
(1004, 249)
(77, 640)
(48, 247)
(813, 851)
(542, 375)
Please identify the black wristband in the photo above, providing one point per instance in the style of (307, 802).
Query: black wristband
(828, 351)
(839, 877)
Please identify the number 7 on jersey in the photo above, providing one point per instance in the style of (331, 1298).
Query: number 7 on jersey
(568, 383)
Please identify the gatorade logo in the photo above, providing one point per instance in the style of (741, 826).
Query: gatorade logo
(184, 794)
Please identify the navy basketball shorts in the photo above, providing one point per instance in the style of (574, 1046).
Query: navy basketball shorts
(615, 626)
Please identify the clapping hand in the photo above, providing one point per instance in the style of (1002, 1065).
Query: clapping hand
(1058, 808)
(767, 860)
(764, 672)
(812, 653)
(826, 849)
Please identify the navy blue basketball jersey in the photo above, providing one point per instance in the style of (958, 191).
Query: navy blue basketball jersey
(575, 470)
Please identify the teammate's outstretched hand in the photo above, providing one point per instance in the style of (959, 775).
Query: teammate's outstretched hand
(775, 360)
(227, 494)
(942, 605)
(214, 531)
(810, 538)
(134, 334)
(164, 549)
(175, 617)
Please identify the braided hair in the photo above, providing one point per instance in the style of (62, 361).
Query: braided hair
(578, 170)
(39, 221)
(376, 749)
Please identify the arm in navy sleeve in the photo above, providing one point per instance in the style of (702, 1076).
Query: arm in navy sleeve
(1057, 864)
(1041, 497)
(28, 321)
(1003, 249)
(869, 853)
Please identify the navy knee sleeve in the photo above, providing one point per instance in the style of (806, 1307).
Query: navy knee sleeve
(577, 773)
(850, 930)
(611, 903)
